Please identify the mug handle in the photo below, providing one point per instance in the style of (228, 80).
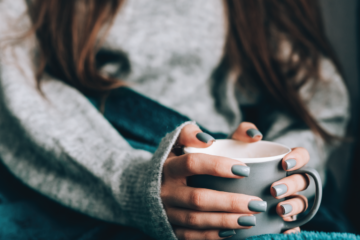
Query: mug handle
(318, 195)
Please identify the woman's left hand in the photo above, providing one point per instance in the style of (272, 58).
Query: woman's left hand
(288, 186)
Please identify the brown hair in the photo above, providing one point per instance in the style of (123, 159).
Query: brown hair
(68, 32)
(70, 51)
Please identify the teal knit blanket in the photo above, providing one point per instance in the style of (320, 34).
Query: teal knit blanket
(307, 236)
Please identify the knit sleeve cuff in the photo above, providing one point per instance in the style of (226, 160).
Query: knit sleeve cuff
(152, 218)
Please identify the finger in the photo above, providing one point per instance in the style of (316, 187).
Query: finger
(289, 185)
(247, 132)
(296, 159)
(192, 136)
(292, 231)
(213, 201)
(209, 220)
(171, 154)
(288, 219)
(191, 234)
(296, 205)
(200, 164)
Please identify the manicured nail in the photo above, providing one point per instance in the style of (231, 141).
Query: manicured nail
(257, 206)
(280, 189)
(240, 170)
(252, 132)
(226, 233)
(247, 221)
(204, 137)
(286, 208)
(290, 163)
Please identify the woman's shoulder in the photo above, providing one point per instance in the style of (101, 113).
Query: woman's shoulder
(12, 9)
(14, 19)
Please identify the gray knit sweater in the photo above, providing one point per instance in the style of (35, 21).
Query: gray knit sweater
(63, 147)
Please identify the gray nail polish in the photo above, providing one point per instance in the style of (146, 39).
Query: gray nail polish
(280, 189)
(247, 221)
(286, 208)
(226, 233)
(290, 163)
(240, 170)
(257, 206)
(252, 132)
(204, 137)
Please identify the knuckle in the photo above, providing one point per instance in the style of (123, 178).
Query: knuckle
(247, 125)
(164, 193)
(303, 152)
(294, 183)
(192, 219)
(300, 181)
(225, 221)
(217, 167)
(187, 128)
(180, 234)
(166, 167)
(234, 204)
(196, 198)
(169, 167)
(208, 235)
(187, 235)
(244, 124)
(190, 162)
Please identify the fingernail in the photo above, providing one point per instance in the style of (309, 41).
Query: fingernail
(280, 189)
(204, 137)
(240, 170)
(226, 233)
(247, 221)
(257, 206)
(252, 132)
(286, 208)
(290, 163)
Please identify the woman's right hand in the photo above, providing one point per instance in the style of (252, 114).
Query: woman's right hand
(197, 213)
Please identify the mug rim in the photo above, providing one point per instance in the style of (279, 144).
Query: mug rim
(246, 160)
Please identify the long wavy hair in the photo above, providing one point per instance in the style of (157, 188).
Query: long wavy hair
(68, 30)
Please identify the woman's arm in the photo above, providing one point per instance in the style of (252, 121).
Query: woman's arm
(61, 146)
(66, 150)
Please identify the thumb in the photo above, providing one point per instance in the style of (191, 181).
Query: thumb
(247, 132)
(192, 136)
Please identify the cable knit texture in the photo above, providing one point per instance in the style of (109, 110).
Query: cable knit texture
(61, 146)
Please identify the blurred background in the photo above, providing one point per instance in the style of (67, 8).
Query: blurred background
(342, 27)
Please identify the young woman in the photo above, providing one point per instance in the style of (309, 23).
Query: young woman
(217, 62)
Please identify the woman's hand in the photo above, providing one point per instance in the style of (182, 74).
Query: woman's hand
(289, 186)
(197, 213)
